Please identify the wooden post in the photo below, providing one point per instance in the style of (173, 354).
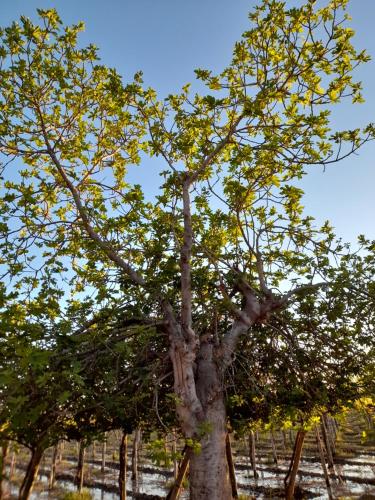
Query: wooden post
(323, 462)
(294, 464)
(80, 465)
(175, 491)
(291, 439)
(274, 453)
(136, 440)
(232, 473)
(104, 451)
(327, 445)
(252, 454)
(123, 466)
(175, 462)
(52, 474)
(12, 465)
(4, 454)
(31, 473)
(330, 433)
(283, 433)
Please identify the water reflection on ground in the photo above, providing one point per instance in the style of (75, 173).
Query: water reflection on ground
(155, 481)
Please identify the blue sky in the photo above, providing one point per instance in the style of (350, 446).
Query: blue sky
(167, 39)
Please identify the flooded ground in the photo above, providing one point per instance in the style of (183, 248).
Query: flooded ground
(353, 476)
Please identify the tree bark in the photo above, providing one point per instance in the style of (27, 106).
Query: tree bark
(81, 461)
(123, 466)
(52, 475)
(209, 474)
(31, 473)
(252, 454)
(4, 454)
(232, 472)
(294, 464)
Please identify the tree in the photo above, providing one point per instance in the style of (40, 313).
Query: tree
(36, 389)
(56, 383)
(225, 244)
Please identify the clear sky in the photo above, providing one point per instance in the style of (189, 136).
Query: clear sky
(167, 39)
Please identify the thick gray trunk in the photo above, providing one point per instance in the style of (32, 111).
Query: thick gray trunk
(209, 473)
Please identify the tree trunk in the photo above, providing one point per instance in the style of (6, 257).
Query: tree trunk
(209, 474)
(232, 472)
(52, 474)
(4, 454)
(81, 461)
(123, 466)
(294, 464)
(104, 451)
(323, 462)
(252, 454)
(31, 473)
(175, 491)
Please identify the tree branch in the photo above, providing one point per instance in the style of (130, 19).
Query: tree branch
(186, 298)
